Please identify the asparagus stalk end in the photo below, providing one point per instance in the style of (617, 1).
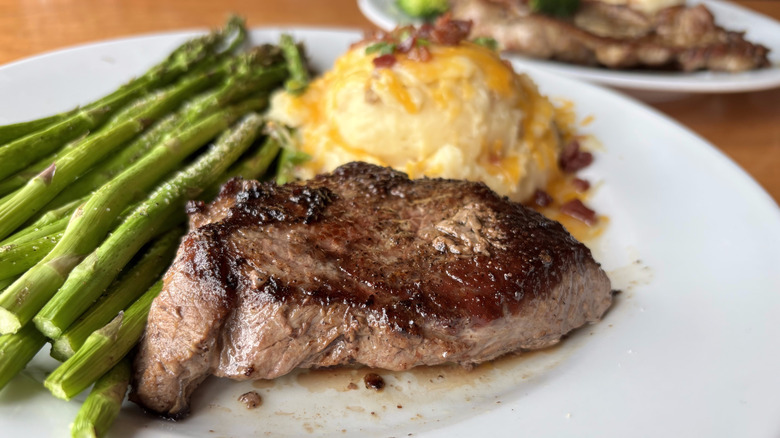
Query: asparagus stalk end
(16, 350)
(69, 379)
(47, 328)
(103, 403)
(9, 321)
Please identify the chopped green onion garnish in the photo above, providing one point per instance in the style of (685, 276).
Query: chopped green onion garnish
(381, 48)
(488, 42)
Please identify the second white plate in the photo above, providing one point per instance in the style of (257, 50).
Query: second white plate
(759, 28)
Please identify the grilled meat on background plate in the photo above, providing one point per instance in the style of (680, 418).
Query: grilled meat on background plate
(615, 36)
(361, 266)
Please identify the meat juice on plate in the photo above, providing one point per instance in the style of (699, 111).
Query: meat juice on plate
(335, 401)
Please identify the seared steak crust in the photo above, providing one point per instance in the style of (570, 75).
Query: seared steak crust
(361, 266)
(614, 36)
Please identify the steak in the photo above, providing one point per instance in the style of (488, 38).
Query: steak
(362, 266)
(615, 36)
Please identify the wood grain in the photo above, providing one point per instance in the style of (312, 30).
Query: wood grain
(745, 126)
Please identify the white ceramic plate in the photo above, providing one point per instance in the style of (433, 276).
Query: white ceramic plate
(759, 28)
(689, 349)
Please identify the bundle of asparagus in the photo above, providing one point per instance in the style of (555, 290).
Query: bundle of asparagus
(92, 205)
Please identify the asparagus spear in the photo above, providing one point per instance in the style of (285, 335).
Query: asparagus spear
(19, 153)
(89, 226)
(13, 183)
(103, 403)
(21, 178)
(43, 219)
(240, 84)
(17, 258)
(299, 75)
(162, 209)
(33, 232)
(115, 164)
(256, 164)
(120, 294)
(26, 235)
(288, 159)
(190, 55)
(25, 245)
(134, 282)
(247, 76)
(253, 166)
(10, 133)
(43, 188)
(103, 349)
(289, 156)
(132, 111)
(26, 150)
(18, 180)
(7, 282)
(16, 350)
(230, 37)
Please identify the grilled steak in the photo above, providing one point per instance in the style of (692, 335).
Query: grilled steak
(361, 266)
(615, 36)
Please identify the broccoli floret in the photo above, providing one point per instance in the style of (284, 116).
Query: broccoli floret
(423, 8)
(556, 8)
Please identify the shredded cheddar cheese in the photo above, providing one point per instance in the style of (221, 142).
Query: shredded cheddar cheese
(465, 114)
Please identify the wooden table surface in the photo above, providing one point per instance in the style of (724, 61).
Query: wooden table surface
(746, 126)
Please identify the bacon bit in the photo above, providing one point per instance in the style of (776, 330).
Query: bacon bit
(425, 30)
(420, 53)
(414, 41)
(384, 61)
(541, 198)
(576, 209)
(581, 185)
(450, 32)
(573, 158)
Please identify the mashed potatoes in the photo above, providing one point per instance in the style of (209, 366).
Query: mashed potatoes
(463, 113)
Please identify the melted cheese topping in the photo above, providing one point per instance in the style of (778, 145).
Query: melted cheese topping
(562, 190)
(464, 114)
